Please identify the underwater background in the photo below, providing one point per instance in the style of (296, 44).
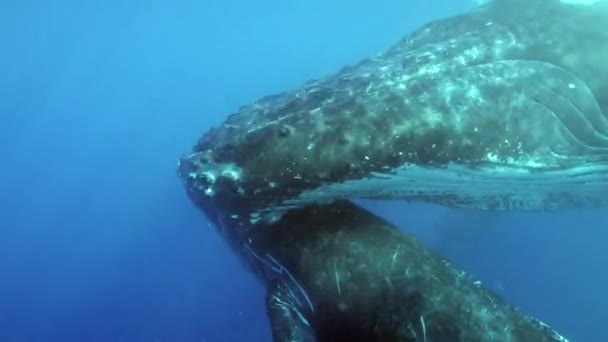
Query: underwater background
(98, 241)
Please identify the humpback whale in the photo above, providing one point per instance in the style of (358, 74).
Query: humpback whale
(336, 272)
(500, 108)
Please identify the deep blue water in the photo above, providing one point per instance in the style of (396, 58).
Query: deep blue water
(98, 241)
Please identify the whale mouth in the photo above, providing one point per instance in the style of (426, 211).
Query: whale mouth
(487, 187)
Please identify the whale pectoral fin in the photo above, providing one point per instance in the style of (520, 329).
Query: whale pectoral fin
(286, 321)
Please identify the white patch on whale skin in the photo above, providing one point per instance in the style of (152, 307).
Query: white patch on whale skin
(491, 187)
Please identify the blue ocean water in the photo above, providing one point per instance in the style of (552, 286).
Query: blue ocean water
(98, 241)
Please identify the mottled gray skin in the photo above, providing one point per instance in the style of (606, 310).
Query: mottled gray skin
(509, 85)
(338, 273)
(512, 94)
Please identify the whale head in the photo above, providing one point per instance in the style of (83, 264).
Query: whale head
(496, 109)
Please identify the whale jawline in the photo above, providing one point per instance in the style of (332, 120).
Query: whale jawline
(487, 187)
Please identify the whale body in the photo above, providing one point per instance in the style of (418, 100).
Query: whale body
(502, 108)
(336, 272)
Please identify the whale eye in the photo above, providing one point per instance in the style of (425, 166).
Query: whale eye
(285, 131)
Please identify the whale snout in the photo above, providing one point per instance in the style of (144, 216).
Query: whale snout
(203, 175)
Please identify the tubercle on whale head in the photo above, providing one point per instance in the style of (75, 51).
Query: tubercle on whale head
(223, 190)
(212, 187)
(200, 172)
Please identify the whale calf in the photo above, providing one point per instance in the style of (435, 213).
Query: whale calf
(500, 108)
(336, 272)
